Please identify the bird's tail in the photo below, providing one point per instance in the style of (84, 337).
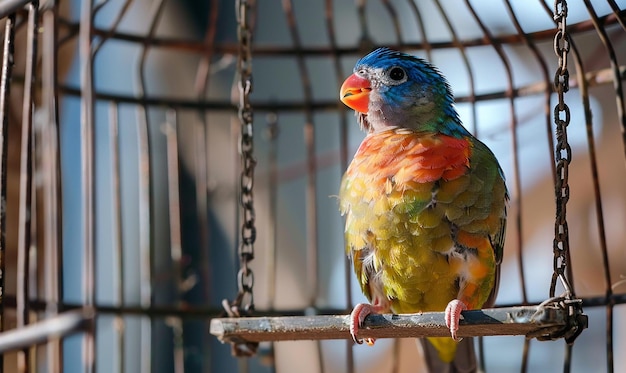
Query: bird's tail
(464, 360)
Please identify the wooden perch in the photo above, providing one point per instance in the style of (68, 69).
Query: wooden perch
(531, 321)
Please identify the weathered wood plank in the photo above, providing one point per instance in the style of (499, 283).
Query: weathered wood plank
(496, 321)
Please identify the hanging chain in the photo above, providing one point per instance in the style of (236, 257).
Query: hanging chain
(244, 302)
(245, 278)
(563, 150)
(576, 320)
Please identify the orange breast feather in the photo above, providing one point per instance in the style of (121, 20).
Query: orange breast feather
(406, 158)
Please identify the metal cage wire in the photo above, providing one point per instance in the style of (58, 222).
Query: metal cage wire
(120, 230)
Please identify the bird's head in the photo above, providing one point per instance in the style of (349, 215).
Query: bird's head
(393, 89)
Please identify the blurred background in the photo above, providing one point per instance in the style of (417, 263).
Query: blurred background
(135, 209)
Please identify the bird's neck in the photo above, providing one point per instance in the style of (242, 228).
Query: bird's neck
(428, 118)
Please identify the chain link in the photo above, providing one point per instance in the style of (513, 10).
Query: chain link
(576, 321)
(244, 302)
(563, 150)
(245, 277)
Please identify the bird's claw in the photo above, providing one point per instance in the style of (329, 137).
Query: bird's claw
(453, 315)
(358, 315)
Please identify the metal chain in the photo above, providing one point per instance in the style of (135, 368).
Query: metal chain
(576, 320)
(244, 302)
(245, 278)
(563, 150)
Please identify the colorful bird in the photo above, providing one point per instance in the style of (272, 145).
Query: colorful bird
(425, 201)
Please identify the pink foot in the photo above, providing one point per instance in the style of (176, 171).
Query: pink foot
(358, 315)
(453, 315)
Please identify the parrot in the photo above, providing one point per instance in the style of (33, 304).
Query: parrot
(425, 203)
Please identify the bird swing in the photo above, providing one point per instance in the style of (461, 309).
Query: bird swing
(560, 316)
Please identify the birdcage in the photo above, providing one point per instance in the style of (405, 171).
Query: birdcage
(169, 171)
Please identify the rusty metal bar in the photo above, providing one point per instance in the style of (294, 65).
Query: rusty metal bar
(617, 82)
(312, 254)
(309, 138)
(176, 252)
(5, 87)
(532, 46)
(118, 228)
(201, 154)
(43, 331)
(211, 312)
(616, 10)
(595, 78)
(87, 175)
(271, 50)
(113, 29)
(517, 188)
(8, 7)
(272, 135)
(51, 168)
(394, 18)
(516, 195)
(470, 74)
(420, 24)
(595, 173)
(366, 39)
(343, 157)
(26, 185)
(146, 245)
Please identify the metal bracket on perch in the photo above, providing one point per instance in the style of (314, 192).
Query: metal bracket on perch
(530, 321)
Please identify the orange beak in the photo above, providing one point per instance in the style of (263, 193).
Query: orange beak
(355, 93)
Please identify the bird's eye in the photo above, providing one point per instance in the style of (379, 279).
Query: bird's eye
(397, 73)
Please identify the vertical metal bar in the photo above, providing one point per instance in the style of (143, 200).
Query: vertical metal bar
(584, 92)
(25, 202)
(309, 138)
(51, 168)
(616, 11)
(394, 19)
(516, 198)
(118, 230)
(595, 178)
(5, 87)
(517, 189)
(567, 366)
(8, 7)
(33, 247)
(116, 214)
(176, 253)
(114, 25)
(272, 185)
(395, 360)
(145, 242)
(87, 175)
(201, 160)
(547, 93)
(470, 74)
(548, 83)
(366, 40)
(145, 194)
(525, 352)
(583, 86)
(201, 85)
(420, 24)
(310, 195)
(343, 159)
(617, 81)
(272, 226)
